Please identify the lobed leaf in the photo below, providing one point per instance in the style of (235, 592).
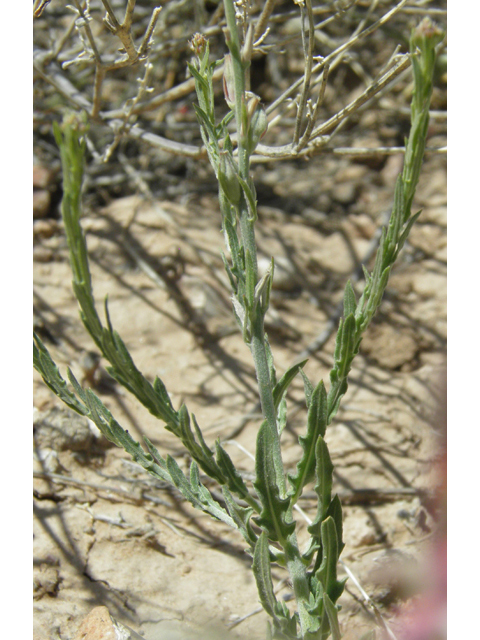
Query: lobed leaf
(46, 367)
(106, 423)
(201, 453)
(195, 492)
(275, 517)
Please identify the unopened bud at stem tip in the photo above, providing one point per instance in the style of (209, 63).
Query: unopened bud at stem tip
(198, 44)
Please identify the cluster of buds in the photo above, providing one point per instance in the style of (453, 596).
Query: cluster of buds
(198, 45)
(428, 30)
(424, 39)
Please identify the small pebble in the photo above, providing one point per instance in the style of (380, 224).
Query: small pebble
(44, 228)
(61, 429)
(42, 177)
(46, 582)
(42, 254)
(41, 203)
(344, 193)
(48, 460)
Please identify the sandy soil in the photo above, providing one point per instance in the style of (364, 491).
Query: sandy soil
(106, 533)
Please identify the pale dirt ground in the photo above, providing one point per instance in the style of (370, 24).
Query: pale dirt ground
(109, 535)
(156, 563)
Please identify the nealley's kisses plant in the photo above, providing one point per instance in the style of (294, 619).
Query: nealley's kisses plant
(263, 514)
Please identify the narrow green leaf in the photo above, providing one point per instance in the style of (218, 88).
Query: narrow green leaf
(332, 614)
(155, 454)
(205, 67)
(271, 364)
(335, 395)
(282, 416)
(323, 486)
(186, 432)
(232, 243)
(195, 492)
(316, 425)
(335, 512)
(180, 481)
(251, 199)
(405, 233)
(282, 385)
(366, 274)
(349, 300)
(328, 568)
(206, 451)
(308, 387)
(198, 489)
(249, 280)
(397, 211)
(162, 393)
(263, 576)
(198, 77)
(241, 516)
(347, 350)
(201, 453)
(233, 479)
(269, 633)
(223, 124)
(338, 342)
(233, 282)
(377, 294)
(209, 504)
(205, 122)
(327, 572)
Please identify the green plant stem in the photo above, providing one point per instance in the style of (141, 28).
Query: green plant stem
(233, 42)
(298, 576)
(257, 343)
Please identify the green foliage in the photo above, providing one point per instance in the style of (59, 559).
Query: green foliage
(266, 523)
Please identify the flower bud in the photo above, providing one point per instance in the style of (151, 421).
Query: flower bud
(427, 30)
(198, 44)
(263, 289)
(228, 178)
(252, 102)
(258, 127)
(229, 81)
